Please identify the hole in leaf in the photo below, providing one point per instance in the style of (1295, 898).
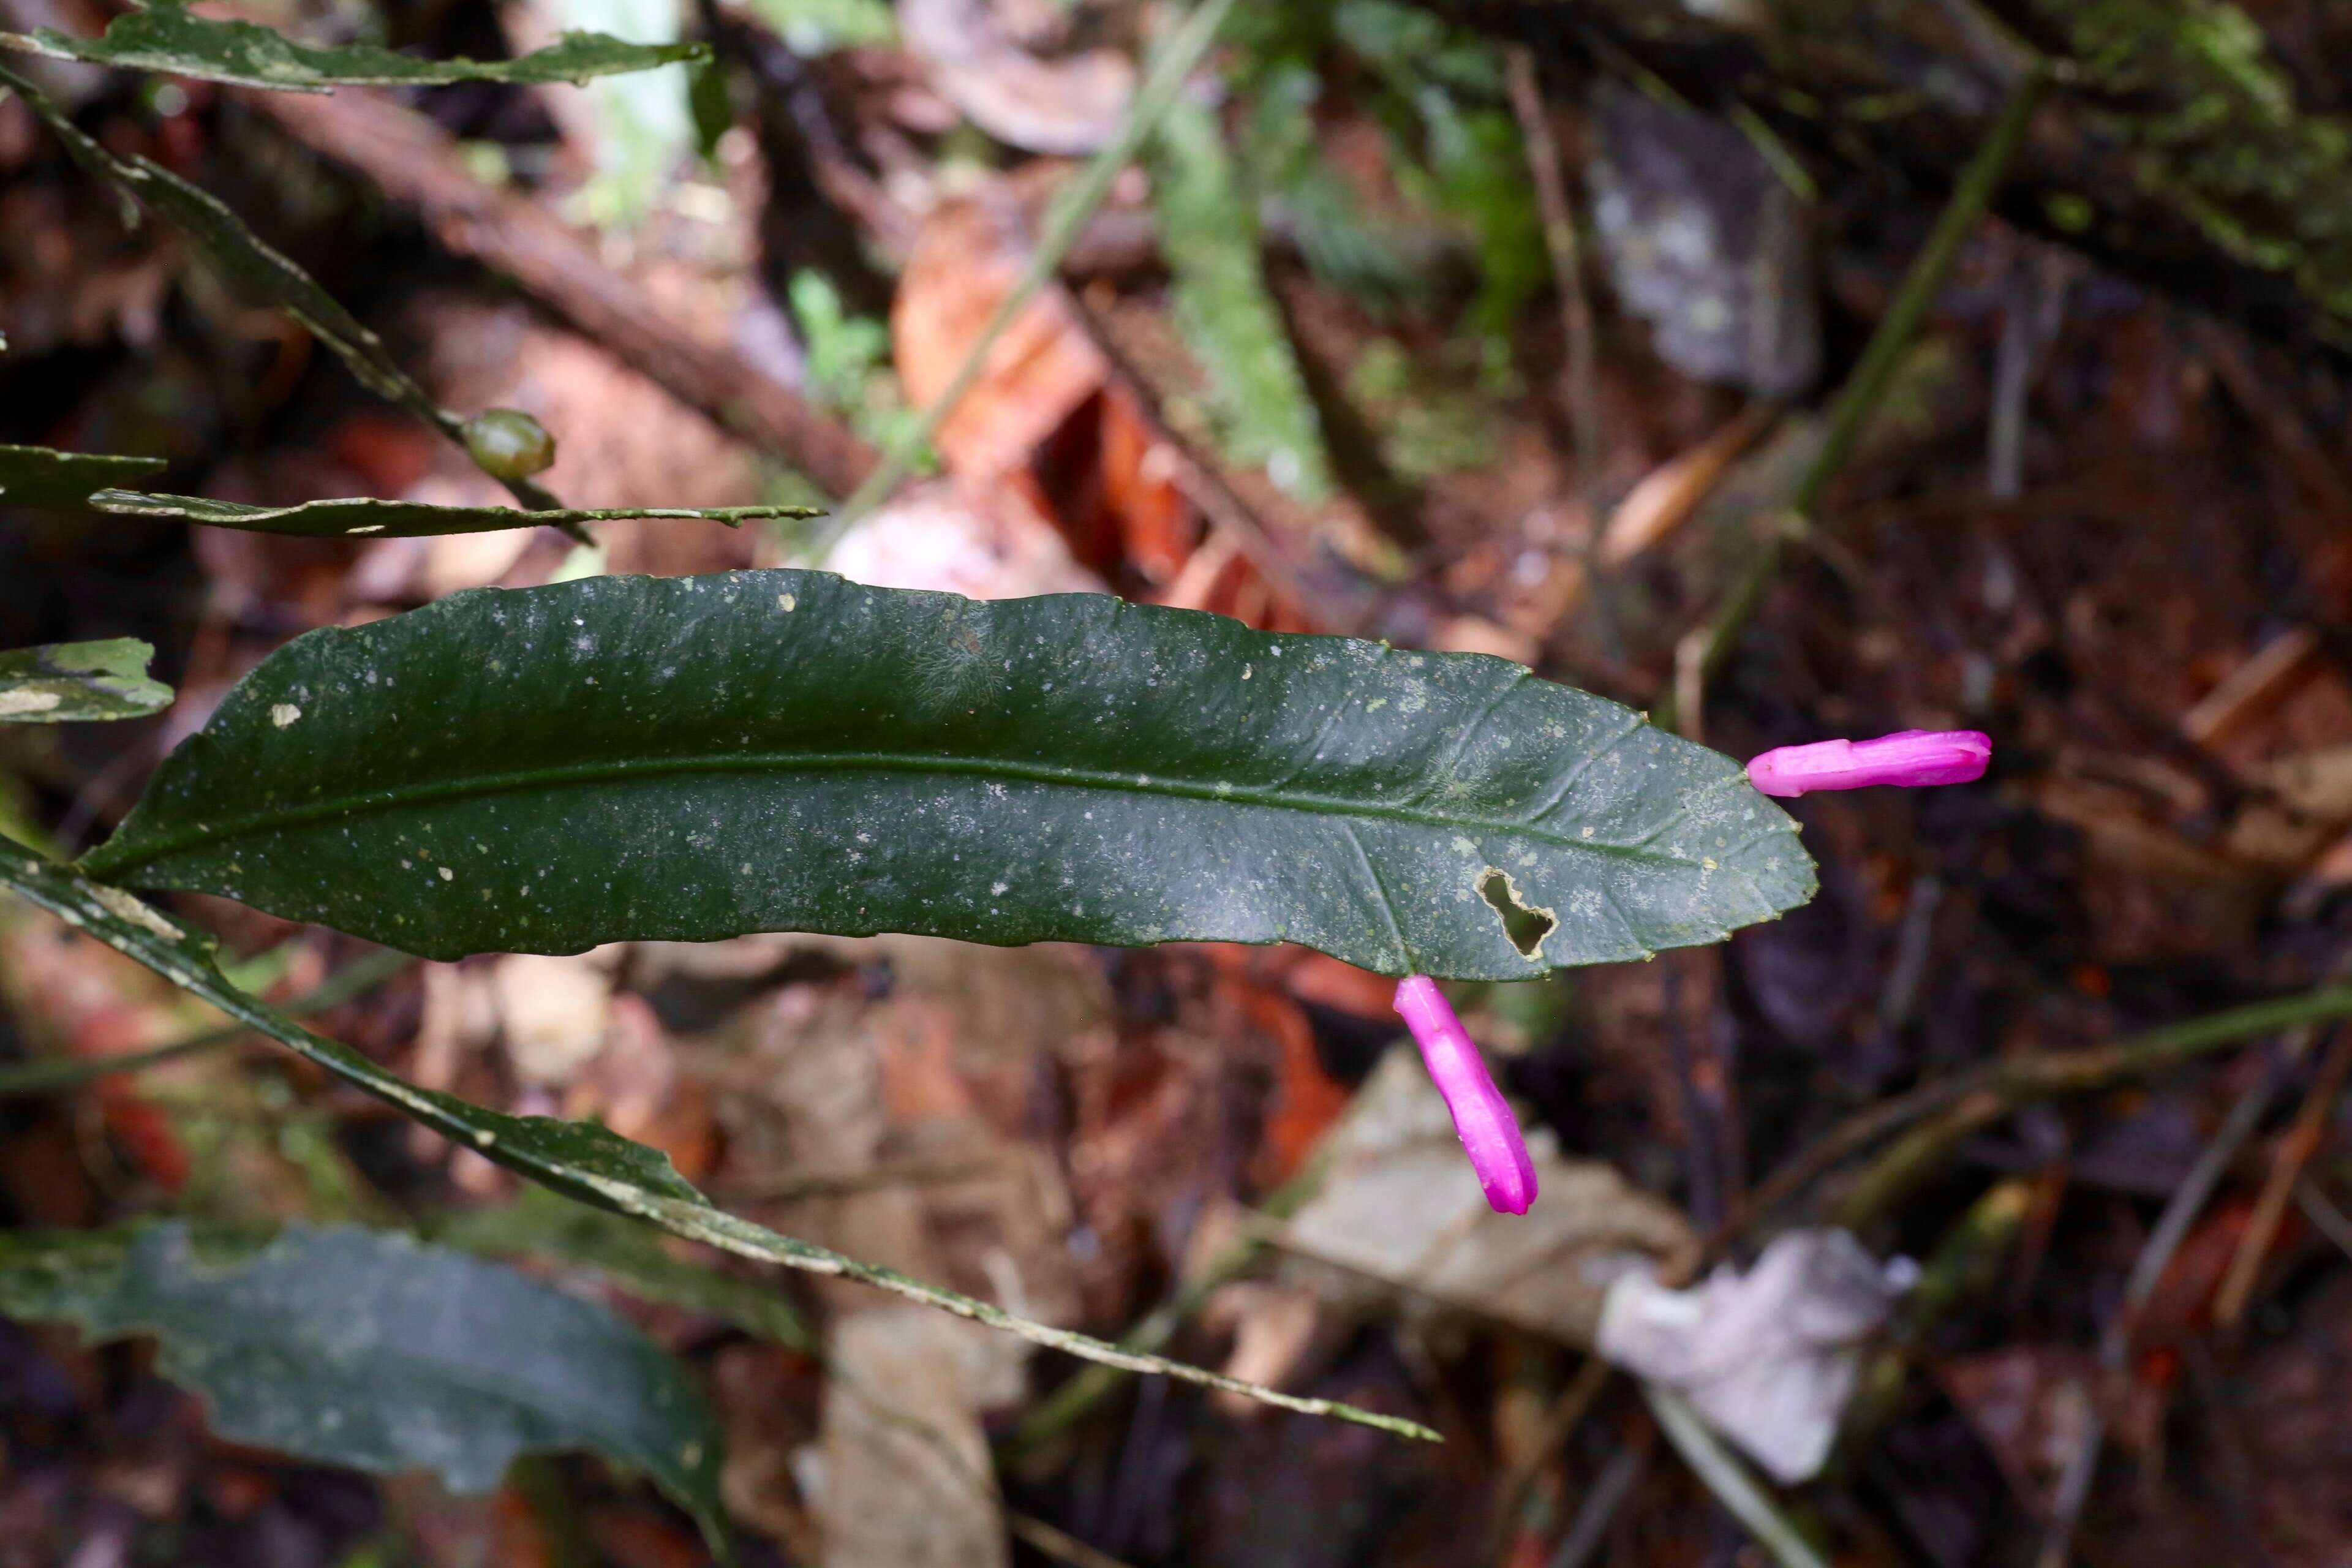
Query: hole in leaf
(1525, 926)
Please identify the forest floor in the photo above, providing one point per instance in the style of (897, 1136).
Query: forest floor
(2083, 517)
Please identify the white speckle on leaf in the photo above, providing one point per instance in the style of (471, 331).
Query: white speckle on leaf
(366, 528)
(787, 602)
(14, 703)
(284, 713)
(448, 875)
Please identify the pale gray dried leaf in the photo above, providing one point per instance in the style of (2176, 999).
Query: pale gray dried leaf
(1400, 1202)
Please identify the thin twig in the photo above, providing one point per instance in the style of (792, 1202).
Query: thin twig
(1203, 484)
(1599, 1510)
(2294, 1152)
(1072, 206)
(1581, 375)
(1560, 1422)
(2172, 1227)
(1058, 1545)
(1865, 386)
(58, 1075)
(2020, 1081)
(416, 165)
(1077, 1399)
(2325, 1216)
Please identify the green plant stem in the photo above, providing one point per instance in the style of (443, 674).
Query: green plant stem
(1865, 386)
(2034, 1077)
(1079, 1396)
(1965, 1265)
(58, 1075)
(2172, 1227)
(1969, 1104)
(1072, 207)
(1728, 1479)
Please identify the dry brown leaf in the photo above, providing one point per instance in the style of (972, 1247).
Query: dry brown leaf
(1039, 371)
(1672, 492)
(906, 1480)
(903, 1129)
(2033, 1406)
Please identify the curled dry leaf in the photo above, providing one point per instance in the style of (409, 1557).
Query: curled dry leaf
(1769, 1356)
(1400, 1204)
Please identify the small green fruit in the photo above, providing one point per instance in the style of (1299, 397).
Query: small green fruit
(508, 444)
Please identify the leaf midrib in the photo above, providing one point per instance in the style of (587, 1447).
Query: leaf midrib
(104, 865)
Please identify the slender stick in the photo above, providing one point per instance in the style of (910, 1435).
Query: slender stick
(1581, 377)
(2043, 1075)
(2172, 1227)
(1599, 1510)
(56, 1074)
(1077, 1399)
(1728, 1479)
(1072, 207)
(2301, 1141)
(1865, 386)
(1560, 1422)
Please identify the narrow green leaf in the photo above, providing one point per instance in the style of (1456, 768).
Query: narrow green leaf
(253, 267)
(169, 38)
(71, 681)
(255, 270)
(399, 519)
(1208, 231)
(581, 1161)
(546, 769)
(628, 1253)
(367, 1349)
(37, 477)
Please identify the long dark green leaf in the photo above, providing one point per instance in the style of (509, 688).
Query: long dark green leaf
(367, 1349)
(546, 769)
(581, 1161)
(169, 38)
(398, 519)
(73, 681)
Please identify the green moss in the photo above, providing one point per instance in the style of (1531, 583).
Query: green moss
(2191, 86)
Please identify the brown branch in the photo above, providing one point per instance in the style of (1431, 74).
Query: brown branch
(415, 163)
